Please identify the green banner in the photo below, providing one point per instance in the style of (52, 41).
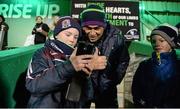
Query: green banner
(20, 16)
(30, 8)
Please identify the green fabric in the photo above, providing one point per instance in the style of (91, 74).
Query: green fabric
(140, 47)
(12, 63)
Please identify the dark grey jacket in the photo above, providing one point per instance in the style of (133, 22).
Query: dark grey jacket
(113, 46)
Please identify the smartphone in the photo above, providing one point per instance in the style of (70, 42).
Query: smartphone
(85, 48)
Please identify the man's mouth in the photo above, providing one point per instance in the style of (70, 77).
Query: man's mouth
(92, 39)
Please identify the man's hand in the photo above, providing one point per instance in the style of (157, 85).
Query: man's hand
(97, 62)
(79, 62)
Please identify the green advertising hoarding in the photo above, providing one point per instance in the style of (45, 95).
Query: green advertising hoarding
(30, 8)
(20, 16)
(122, 14)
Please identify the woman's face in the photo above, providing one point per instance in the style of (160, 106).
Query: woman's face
(160, 45)
(68, 36)
(39, 20)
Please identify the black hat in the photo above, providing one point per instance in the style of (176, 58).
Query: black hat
(65, 23)
(168, 32)
(93, 15)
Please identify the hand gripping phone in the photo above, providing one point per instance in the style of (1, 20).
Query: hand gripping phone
(75, 87)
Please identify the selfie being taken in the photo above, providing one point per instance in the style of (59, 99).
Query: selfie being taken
(89, 54)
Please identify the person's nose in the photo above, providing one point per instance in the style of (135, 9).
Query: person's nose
(92, 32)
(157, 43)
(71, 40)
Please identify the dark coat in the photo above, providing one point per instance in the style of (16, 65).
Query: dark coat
(5, 29)
(111, 45)
(157, 84)
(39, 37)
(48, 76)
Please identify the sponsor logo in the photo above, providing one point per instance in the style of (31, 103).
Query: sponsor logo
(132, 34)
